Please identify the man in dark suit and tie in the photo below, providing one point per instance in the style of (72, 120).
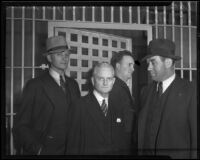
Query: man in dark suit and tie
(167, 123)
(96, 130)
(42, 122)
(121, 97)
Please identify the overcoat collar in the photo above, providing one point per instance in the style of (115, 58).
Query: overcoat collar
(53, 91)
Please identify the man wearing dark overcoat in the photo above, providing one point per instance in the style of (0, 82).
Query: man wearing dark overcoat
(121, 96)
(42, 122)
(96, 129)
(167, 123)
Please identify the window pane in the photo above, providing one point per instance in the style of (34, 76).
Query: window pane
(84, 51)
(95, 52)
(73, 62)
(114, 43)
(85, 39)
(105, 54)
(74, 37)
(105, 42)
(74, 49)
(95, 40)
(84, 63)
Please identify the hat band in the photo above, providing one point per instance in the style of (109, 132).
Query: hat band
(56, 48)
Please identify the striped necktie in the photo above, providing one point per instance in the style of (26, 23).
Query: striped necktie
(62, 84)
(104, 107)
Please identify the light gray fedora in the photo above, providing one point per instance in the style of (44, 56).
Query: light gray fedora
(56, 44)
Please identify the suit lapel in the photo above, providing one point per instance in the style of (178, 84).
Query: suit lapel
(95, 112)
(50, 88)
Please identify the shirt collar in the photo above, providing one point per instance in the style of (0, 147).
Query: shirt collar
(99, 97)
(55, 75)
(167, 82)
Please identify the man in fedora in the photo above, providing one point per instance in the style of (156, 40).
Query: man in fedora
(42, 122)
(167, 123)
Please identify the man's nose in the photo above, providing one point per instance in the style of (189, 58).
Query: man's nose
(105, 82)
(149, 67)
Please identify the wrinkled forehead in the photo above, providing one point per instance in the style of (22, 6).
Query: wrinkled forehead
(104, 71)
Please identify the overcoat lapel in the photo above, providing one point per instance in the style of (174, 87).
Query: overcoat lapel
(50, 88)
(142, 117)
(93, 108)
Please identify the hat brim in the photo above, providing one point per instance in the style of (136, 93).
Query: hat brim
(58, 51)
(176, 58)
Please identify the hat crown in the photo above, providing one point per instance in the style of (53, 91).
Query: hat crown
(162, 47)
(162, 44)
(55, 42)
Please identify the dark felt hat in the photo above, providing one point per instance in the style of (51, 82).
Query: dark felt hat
(56, 44)
(161, 47)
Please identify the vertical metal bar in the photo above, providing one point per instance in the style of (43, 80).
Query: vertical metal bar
(190, 40)
(102, 14)
(23, 41)
(83, 13)
(112, 17)
(64, 13)
(164, 20)
(121, 14)
(147, 15)
(181, 36)
(130, 14)
(54, 13)
(33, 44)
(138, 15)
(173, 22)
(93, 14)
(156, 20)
(74, 13)
(12, 80)
(43, 11)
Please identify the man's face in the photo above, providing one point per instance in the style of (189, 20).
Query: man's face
(126, 67)
(59, 61)
(103, 80)
(157, 68)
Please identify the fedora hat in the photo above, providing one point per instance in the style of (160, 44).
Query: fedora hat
(161, 47)
(56, 44)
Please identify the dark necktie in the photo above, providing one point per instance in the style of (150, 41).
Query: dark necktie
(62, 84)
(160, 88)
(104, 107)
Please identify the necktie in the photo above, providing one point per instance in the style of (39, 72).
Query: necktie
(62, 83)
(104, 107)
(159, 90)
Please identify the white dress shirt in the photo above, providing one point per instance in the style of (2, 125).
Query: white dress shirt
(100, 98)
(55, 75)
(166, 83)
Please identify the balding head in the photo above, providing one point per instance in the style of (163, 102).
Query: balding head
(103, 78)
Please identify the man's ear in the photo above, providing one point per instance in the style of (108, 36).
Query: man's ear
(168, 62)
(92, 80)
(114, 80)
(49, 58)
(117, 66)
